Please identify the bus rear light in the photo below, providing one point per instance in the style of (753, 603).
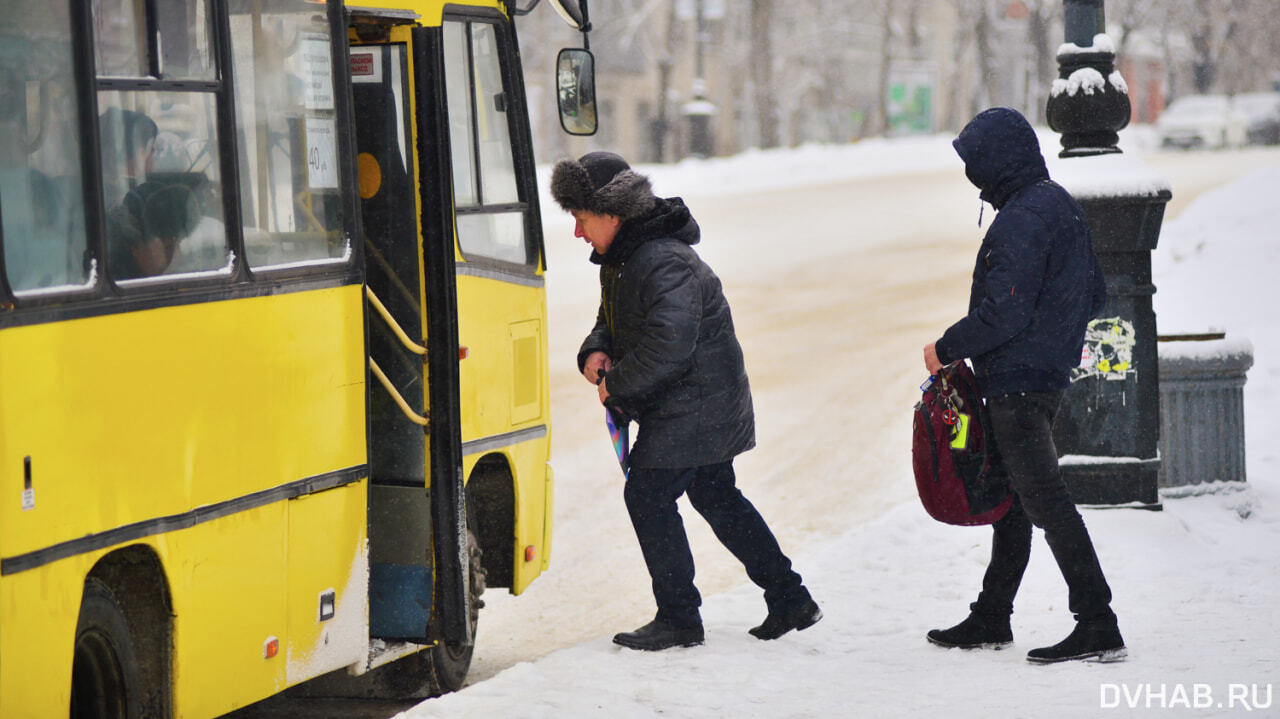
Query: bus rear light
(529, 553)
(463, 352)
(270, 648)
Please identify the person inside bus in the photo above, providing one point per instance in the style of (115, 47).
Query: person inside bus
(128, 152)
(663, 352)
(143, 232)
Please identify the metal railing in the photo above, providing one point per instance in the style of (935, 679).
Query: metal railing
(409, 344)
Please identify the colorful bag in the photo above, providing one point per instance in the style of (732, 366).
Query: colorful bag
(958, 472)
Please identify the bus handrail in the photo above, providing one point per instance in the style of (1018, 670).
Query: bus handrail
(409, 344)
(395, 395)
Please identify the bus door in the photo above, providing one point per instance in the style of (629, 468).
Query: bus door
(416, 523)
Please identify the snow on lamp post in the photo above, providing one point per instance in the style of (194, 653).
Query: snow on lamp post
(1108, 428)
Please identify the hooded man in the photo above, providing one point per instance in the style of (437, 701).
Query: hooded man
(663, 352)
(1036, 285)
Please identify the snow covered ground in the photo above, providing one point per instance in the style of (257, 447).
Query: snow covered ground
(1196, 586)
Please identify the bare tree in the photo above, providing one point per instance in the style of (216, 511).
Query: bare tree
(761, 34)
(884, 9)
(1041, 14)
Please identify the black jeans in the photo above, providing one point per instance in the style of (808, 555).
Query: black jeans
(1023, 428)
(651, 496)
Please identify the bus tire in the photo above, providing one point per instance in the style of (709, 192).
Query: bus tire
(104, 674)
(450, 663)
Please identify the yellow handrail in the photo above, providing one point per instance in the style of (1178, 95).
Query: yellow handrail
(409, 344)
(395, 395)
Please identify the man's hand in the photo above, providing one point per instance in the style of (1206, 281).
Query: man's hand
(602, 390)
(596, 363)
(931, 362)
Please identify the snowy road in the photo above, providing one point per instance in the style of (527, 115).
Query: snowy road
(835, 285)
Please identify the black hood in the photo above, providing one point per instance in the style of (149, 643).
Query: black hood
(1001, 154)
(669, 218)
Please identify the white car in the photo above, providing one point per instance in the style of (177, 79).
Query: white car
(1261, 112)
(1202, 121)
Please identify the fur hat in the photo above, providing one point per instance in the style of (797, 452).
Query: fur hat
(603, 183)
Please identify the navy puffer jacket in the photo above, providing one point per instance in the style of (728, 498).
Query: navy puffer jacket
(677, 365)
(1037, 282)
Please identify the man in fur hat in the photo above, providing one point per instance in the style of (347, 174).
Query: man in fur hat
(663, 352)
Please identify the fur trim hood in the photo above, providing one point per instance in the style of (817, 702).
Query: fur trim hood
(603, 183)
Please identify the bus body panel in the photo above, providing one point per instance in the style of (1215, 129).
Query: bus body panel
(41, 607)
(168, 421)
(225, 441)
(202, 396)
(504, 392)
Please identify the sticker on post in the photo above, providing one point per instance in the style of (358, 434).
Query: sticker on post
(1108, 350)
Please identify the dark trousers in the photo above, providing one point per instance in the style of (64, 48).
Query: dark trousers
(651, 496)
(1023, 428)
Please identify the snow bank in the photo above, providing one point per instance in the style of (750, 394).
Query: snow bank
(816, 164)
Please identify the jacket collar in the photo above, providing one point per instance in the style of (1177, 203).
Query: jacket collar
(669, 218)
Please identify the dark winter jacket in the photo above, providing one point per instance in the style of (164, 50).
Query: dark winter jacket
(1037, 282)
(677, 365)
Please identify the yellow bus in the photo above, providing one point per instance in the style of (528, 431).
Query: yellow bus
(273, 395)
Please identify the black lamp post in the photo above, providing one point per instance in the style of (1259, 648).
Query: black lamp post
(700, 110)
(1108, 428)
(1087, 107)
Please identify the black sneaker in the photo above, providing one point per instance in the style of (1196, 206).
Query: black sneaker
(802, 616)
(1084, 642)
(658, 635)
(977, 631)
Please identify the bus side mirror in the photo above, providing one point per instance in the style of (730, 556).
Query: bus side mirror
(576, 91)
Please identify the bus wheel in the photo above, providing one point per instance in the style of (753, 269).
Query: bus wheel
(450, 662)
(104, 672)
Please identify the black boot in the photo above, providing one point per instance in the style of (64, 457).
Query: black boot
(1084, 642)
(802, 616)
(658, 635)
(978, 631)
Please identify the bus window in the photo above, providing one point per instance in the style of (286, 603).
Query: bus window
(120, 39)
(161, 184)
(493, 137)
(122, 46)
(185, 48)
(42, 221)
(458, 96)
(159, 145)
(287, 132)
(490, 217)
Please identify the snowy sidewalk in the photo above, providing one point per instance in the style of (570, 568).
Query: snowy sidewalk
(1195, 587)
